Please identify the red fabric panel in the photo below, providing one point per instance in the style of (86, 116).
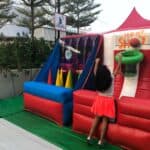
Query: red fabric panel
(85, 97)
(83, 110)
(129, 138)
(143, 88)
(144, 85)
(118, 83)
(81, 35)
(143, 94)
(131, 106)
(43, 107)
(49, 80)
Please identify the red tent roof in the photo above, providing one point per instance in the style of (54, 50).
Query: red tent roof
(134, 21)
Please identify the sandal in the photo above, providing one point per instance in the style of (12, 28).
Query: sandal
(89, 141)
(101, 144)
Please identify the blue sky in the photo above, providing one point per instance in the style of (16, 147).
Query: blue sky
(114, 12)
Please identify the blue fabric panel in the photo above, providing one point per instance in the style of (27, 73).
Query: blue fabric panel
(52, 64)
(67, 113)
(58, 94)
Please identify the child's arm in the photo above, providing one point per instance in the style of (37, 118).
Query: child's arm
(97, 61)
(118, 68)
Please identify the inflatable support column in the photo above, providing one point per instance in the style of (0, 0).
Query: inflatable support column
(49, 101)
(82, 115)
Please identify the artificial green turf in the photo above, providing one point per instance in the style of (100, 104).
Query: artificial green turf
(64, 137)
(11, 105)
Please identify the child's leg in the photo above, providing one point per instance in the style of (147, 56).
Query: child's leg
(103, 129)
(94, 126)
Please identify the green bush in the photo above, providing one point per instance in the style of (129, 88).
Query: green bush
(21, 53)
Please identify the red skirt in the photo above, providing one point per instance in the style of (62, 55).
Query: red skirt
(104, 106)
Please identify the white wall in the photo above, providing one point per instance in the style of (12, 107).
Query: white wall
(47, 33)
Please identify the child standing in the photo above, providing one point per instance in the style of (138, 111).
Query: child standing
(103, 106)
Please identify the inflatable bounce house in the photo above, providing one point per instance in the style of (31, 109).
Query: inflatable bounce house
(63, 90)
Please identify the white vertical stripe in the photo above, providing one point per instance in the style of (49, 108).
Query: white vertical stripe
(130, 85)
(109, 40)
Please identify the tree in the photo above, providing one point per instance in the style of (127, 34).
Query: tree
(51, 8)
(32, 15)
(5, 15)
(81, 13)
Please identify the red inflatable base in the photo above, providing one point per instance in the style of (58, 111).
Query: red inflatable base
(127, 137)
(43, 107)
(131, 131)
(81, 110)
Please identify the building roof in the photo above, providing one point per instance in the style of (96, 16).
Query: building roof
(12, 30)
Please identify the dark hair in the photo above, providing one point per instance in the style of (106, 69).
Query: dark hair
(103, 79)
